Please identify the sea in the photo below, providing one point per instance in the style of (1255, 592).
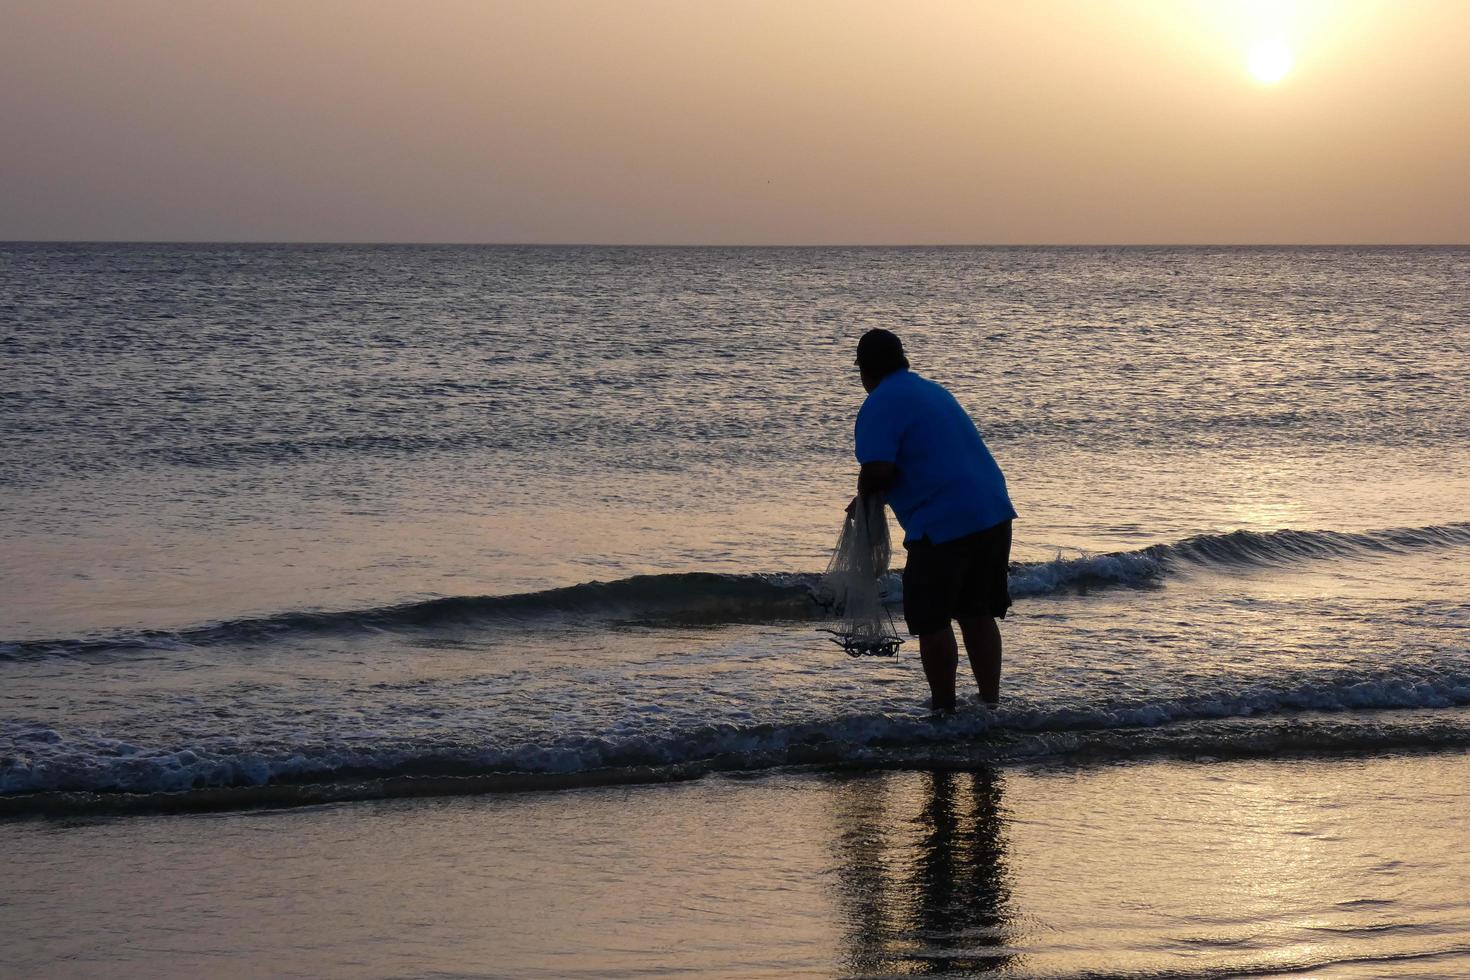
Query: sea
(484, 575)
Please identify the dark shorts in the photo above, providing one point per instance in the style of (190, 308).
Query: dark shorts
(957, 579)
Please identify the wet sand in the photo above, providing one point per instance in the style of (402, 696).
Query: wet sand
(1343, 867)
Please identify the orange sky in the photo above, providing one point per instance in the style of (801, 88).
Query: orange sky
(707, 121)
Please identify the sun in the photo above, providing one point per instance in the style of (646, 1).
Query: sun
(1269, 60)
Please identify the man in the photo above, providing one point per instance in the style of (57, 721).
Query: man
(919, 449)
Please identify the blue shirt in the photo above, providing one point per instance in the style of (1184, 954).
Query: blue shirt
(948, 484)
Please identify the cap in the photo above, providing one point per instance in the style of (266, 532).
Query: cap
(881, 350)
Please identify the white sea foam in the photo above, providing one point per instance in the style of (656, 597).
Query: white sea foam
(42, 759)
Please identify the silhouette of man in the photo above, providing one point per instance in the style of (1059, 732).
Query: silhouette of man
(921, 452)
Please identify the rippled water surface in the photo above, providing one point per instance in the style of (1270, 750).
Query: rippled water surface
(330, 513)
(324, 514)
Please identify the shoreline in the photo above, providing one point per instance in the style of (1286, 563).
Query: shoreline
(280, 796)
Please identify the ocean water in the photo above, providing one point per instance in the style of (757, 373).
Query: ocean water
(290, 524)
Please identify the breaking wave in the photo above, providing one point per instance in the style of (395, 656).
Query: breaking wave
(47, 771)
(706, 597)
(1237, 549)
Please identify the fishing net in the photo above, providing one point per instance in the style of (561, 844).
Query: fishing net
(851, 587)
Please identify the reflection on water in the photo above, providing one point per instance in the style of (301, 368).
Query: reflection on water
(1351, 868)
(924, 881)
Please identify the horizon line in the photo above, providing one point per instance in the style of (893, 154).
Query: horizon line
(711, 245)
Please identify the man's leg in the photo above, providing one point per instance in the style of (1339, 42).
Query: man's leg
(982, 643)
(941, 658)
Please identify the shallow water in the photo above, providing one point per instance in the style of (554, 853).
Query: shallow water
(1346, 868)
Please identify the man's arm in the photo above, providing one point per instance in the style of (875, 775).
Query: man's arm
(876, 478)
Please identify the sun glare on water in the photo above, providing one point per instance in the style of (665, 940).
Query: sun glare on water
(1269, 60)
